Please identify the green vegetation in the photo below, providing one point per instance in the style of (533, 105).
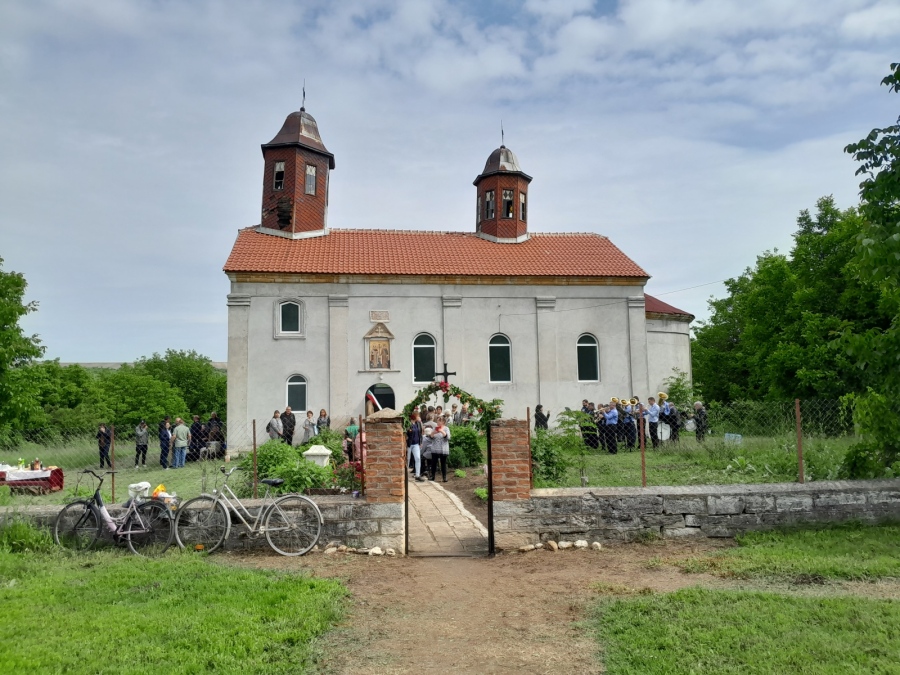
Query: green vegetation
(754, 460)
(847, 551)
(732, 632)
(109, 612)
(466, 447)
(276, 459)
(459, 473)
(481, 493)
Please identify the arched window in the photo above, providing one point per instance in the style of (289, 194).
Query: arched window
(424, 361)
(588, 359)
(289, 318)
(500, 354)
(296, 393)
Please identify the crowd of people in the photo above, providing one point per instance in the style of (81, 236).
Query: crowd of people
(621, 421)
(283, 425)
(178, 442)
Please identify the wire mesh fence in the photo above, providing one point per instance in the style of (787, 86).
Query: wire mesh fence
(740, 442)
(45, 466)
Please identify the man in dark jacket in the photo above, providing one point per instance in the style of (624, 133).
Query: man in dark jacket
(288, 423)
(104, 441)
(198, 442)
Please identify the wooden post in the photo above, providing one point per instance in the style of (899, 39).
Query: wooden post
(640, 421)
(800, 474)
(255, 476)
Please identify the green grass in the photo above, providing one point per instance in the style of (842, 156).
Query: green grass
(731, 632)
(111, 612)
(847, 551)
(755, 460)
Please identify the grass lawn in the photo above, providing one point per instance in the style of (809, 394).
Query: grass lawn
(725, 632)
(847, 551)
(111, 612)
(754, 460)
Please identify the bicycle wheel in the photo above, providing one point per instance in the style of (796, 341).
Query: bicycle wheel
(202, 524)
(77, 526)
(293, 525)
(149, 530)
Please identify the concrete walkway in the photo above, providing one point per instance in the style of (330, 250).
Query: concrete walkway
(440, 525)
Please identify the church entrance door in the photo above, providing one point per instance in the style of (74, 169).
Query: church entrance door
(379, 396)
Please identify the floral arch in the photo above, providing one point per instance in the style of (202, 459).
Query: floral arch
(487, 410)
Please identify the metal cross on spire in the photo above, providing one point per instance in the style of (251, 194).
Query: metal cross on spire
(502, 138)
(445, 374)
(303, 105)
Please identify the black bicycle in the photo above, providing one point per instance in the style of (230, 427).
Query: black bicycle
(147, 526)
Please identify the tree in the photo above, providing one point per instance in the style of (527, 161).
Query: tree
(876, 351)
(777, 335)
(17, 386)
(131, 395)
(200, 384)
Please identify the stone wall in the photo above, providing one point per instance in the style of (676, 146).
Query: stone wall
(359, 523)
(692, 511)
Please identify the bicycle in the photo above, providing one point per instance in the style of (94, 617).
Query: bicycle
(292, 523)
(146, 527)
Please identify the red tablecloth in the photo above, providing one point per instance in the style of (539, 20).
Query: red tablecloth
(51, 483)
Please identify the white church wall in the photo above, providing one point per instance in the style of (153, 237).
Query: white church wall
(668, 347)
(461, 318)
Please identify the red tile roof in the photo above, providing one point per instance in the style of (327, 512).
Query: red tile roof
(656, 306)
(402, 252)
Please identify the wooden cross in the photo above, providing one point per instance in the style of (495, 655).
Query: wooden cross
(445, 374)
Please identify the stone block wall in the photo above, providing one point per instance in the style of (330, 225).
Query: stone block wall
(692, 511)
(359, 522)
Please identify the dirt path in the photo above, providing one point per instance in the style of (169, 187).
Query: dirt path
(514, 613)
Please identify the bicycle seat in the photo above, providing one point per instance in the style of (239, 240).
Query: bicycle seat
(274, 482)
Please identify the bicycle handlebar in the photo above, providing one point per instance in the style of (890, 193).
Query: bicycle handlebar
(105, 473)
(233, 469)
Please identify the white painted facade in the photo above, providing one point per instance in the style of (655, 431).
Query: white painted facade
(668, 347)
(543, 324)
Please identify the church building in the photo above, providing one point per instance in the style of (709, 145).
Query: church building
(338, 318)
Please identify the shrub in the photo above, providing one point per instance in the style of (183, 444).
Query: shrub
(20, 536)
(464, 447)
(331, 439)
(301, 475)
(548, 464)
(269, 455)
(481, 493)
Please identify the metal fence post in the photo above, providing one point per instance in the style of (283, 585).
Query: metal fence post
(530, 458)
(800, 473)
(255, 476)
(643, 452)
(362, 455)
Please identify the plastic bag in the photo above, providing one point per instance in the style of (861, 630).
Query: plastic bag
(159, 488)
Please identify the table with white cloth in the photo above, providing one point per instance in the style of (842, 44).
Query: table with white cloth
(46, 480)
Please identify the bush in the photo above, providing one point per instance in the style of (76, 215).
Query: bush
(269, 455)
(333, 440)
(20, 536)
(301, 475)
(464, 447)
(548, 464)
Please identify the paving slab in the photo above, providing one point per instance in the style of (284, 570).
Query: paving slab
(439, 524)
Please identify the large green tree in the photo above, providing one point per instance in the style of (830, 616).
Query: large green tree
(876, 350)
(776, 335)
(18, 400)
(200, 384)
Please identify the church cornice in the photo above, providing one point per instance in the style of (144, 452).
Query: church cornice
(435, 279)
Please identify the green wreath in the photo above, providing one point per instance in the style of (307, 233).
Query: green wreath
(487, 410)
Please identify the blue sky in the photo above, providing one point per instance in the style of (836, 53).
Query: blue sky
(691, 132)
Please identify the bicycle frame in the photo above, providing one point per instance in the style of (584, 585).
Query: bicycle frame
(240, 510)
(116, 525)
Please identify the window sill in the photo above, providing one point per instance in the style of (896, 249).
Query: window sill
(289, 336)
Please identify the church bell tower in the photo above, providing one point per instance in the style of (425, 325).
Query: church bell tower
(295, 180)
(502, 199)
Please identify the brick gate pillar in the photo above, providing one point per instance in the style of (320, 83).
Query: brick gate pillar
(385, 461)
(510, 477)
